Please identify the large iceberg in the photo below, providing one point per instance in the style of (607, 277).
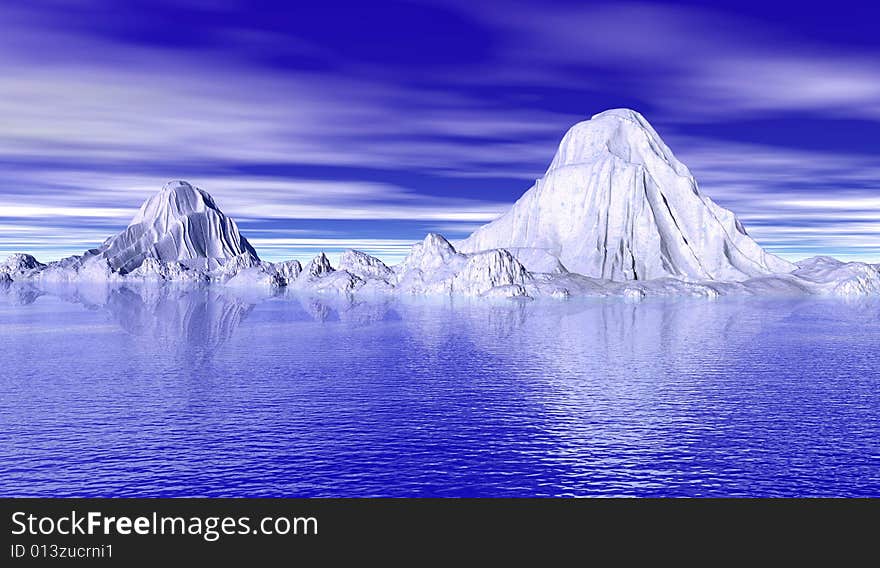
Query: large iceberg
(616, 204)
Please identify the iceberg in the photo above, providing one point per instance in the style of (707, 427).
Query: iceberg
(435, 267)
(153, 270)
(616, 204)
(181, 224)
(288, 270)
(616, 214)
(833, 277)
(364, 266)
(20, 267)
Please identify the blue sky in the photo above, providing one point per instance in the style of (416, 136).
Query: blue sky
(321, 126)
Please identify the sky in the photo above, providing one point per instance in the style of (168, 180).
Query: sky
(329, 125)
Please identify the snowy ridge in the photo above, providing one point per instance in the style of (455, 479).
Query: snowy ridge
(433, 266)
(364, 266)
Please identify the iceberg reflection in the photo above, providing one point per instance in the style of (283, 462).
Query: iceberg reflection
(225, 393)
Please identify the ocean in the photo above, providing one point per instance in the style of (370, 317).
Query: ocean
(164, 391)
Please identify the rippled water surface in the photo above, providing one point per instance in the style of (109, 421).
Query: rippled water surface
(208, 392)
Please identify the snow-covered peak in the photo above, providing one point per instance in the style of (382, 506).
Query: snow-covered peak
(177, 198)
(20, 262)
(433, 266)
(840, 278)
(20, 266)
(622, 113)
(432, 253)
(616, 204)
(363, 265)
(180, 223)
(620, 132)
(318, 266)
(288, 269)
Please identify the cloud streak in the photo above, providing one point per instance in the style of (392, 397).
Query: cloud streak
(97, 114)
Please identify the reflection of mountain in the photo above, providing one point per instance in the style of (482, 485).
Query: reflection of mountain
(345, 309)
(196, 316)
(576, 336)
(170, 316)
(583, 335)
(19, 293)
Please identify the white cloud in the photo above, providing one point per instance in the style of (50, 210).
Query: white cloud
(101, 102)
(240, 197)
(158, 108)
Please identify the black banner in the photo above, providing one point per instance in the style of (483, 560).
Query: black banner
(123, 531)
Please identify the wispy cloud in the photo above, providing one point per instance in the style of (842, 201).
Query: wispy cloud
(689, 63)
(96, 117)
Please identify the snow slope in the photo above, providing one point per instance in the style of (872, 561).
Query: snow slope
(181, 224)
(616, 204)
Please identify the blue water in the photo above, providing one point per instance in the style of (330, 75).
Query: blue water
(202, 392)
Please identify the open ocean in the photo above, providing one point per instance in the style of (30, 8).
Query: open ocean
(152, 391)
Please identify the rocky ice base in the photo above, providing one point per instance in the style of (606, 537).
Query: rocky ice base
(435, 267)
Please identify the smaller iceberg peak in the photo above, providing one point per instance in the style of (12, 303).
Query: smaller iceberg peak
(176, 199)
(20, 265)
(625, 113)
(21, 261)
(178, 185)
(318, 266)
(437, 242)
(179, 223)
(363, 265)
(429, 254)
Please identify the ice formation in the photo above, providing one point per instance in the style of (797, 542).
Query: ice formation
(364, 266)
(615, 215)
(182, 224)
(616, 204)
(20, 266)
(435, 267)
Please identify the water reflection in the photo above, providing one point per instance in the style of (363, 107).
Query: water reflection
(163, 390)
(19, 294)
(208, 316)
(169, 316)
